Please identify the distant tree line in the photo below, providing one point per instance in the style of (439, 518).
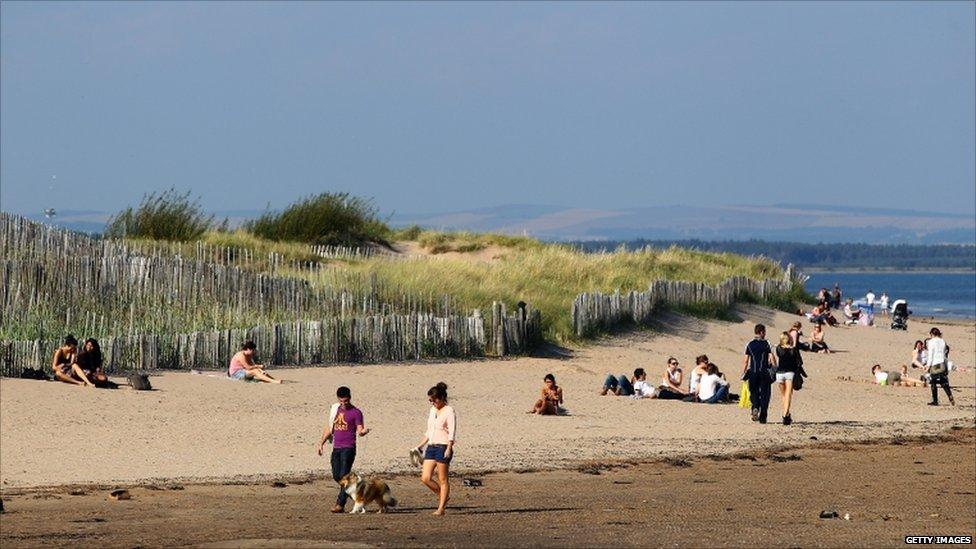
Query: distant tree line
(822, 256)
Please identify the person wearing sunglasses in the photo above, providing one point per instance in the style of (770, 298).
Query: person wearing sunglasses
(440, 436)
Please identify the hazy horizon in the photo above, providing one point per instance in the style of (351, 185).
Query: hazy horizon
(439, 107)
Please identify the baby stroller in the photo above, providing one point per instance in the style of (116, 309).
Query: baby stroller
(899, 315)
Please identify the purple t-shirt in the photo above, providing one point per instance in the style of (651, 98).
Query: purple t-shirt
(345, 426)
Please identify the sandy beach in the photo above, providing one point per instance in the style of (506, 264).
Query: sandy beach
(196, 428)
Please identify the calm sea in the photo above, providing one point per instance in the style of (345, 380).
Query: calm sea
(928, 294)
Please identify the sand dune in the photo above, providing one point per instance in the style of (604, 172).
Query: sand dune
(197, 427)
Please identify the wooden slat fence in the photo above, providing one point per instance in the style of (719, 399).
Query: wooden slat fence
(595, 311)
(368, 339)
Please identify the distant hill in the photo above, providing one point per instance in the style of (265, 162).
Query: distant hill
(784, 222)
(781, 222)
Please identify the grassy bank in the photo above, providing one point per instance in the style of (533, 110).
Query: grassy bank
(549, 277)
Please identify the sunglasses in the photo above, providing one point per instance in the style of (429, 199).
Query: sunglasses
(675, 363)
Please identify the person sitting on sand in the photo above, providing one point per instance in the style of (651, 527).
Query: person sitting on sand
(713, 387)
(796, 330)
(551, 398)
(242, 365)
(671, 382)
(919, 354)
(817, 343)
(63, 363)
(894, 378)
(851, 314)
(89, 361)
(701, 364)
(619, 386)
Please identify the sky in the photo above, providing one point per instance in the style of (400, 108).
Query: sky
(429, 107)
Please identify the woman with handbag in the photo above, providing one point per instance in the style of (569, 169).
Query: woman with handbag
(788, 356)
(936, 360)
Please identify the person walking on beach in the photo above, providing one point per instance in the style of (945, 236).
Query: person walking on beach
(884, 304)
(937, 363)
(869, 299)
(242, 365)
(788, 356)
(440, 436)
(755, 369)
(345, 423)
(837, 295)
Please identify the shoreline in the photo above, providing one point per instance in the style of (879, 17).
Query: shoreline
(945, 431)
(885, 270)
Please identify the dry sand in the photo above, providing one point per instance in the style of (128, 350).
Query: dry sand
(195, 427)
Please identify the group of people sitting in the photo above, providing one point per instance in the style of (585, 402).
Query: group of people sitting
(80, 368)
(932, 357)
(706, 384)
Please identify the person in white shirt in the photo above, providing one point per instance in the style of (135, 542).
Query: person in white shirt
(712, 388)
(643, 389)
(936, 358)
(884, 303)
(869, 299)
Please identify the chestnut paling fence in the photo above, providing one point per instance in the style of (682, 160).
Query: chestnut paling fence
(594, 311)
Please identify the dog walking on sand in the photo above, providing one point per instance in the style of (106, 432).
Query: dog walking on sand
(345, 423)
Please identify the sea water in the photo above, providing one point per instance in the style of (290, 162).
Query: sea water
(950, 295)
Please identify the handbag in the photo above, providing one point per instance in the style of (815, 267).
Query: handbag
(938, 369)
(797, 382)
(771, 372)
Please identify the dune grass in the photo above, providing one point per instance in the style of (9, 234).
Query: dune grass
(549, 277)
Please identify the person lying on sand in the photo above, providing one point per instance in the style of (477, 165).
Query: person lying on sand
(551, 398)
(63, 363)
(895, 378)
(643, 389)
(242, 365)
(619, 386)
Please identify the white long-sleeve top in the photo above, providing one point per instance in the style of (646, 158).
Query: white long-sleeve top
(936, 348)
(442, 426)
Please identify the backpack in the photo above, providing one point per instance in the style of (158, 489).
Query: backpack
(140, 382)
(31, 373)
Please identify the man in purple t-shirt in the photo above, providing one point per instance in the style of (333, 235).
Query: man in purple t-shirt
(345, 422)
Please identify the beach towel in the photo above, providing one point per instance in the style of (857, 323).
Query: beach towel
(744, 397)
(333, 412)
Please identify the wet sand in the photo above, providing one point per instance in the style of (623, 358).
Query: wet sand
(757, 499)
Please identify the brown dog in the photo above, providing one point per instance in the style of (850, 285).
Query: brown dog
(363, 491)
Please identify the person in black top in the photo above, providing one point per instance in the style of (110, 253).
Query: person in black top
(790, 361)
(61, 362)
(755, 368)
(89, 361)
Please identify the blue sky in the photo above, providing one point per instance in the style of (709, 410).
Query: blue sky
(449, 106)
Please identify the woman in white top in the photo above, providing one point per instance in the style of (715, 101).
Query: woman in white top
(441, 430)
(936, 359)
(701, 364)
(713, 388)
(671, 381)
(919, 355)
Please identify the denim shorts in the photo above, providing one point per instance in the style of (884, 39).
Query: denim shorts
(239, 374)
(436, 453)
(783, 377)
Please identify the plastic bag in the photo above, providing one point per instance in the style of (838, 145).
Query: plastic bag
(744, 397)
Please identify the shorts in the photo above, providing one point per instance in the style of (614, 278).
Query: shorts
(436, 453)
(239, 374)
(783, 377)
(894, 377)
